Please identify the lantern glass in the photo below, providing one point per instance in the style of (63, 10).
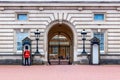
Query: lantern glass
(83, 33)
(37, 34)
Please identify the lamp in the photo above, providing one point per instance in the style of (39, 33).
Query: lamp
(84, 33)
(37, 35)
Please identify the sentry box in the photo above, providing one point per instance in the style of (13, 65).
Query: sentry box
(26, 45)
(95, 51)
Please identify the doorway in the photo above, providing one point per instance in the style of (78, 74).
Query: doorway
(60, 45)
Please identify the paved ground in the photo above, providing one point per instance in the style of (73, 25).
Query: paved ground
(60, 72)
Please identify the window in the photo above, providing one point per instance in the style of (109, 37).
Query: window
(55, 50)
(100, 36)
(22, 17)
(20, 37)
(99, 17)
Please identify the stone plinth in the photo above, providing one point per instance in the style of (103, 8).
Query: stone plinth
(83, 59)
(37, 60)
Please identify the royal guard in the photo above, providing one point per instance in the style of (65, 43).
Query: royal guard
(27, 56)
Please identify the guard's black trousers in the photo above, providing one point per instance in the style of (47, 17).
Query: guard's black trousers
(27, 61)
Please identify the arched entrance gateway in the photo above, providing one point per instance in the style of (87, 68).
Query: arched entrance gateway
(60, 44)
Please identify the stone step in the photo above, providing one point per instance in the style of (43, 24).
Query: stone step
(62, 62)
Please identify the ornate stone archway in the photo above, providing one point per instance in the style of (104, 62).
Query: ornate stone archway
(67, 28)
(60, 44)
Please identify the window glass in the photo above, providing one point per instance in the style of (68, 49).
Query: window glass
(55, 50)
(20, 37)
(100, 36)
(22, 17)
(99, 17)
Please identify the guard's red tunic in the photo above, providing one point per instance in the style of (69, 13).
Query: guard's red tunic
(27, 54)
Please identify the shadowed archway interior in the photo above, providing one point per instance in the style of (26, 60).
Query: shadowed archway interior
(60, 44)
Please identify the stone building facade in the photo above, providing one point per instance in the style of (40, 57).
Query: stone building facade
(59, 19)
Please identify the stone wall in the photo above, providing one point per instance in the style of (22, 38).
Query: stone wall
(42, 15)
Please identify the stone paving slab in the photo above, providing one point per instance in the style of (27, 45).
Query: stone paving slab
(60, 72)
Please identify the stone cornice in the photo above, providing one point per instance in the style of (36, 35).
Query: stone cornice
(60, 3)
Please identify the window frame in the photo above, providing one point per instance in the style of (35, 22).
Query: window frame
(55, 50)
(103, 40)
(99, 20)
(15, 38)
(21, 33)
(18, 13)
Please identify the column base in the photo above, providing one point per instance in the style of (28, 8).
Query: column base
(37, 60)
(83, 59)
